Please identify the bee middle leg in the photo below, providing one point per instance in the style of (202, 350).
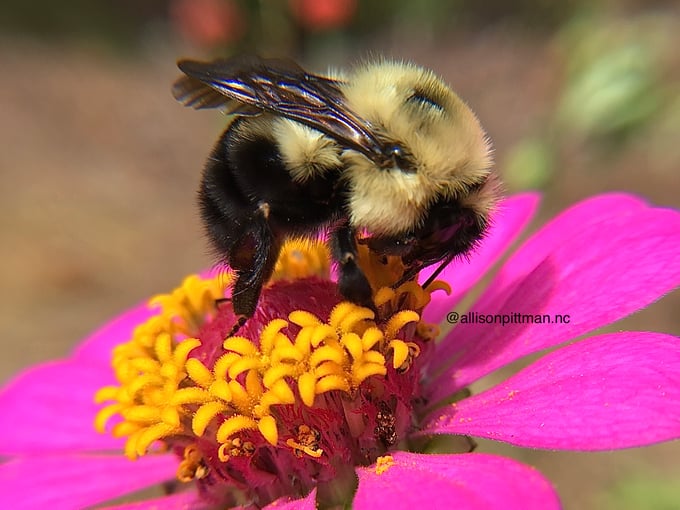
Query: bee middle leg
(352, 281)
(253, 259)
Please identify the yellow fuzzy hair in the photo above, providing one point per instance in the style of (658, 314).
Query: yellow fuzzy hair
(449, 146)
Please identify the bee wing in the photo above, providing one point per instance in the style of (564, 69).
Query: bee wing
(196, 94)
(251, 85)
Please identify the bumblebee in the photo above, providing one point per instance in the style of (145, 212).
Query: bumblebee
(387, 151)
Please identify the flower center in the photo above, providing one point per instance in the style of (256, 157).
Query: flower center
(312, 386)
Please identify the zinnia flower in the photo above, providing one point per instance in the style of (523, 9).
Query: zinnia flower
(320, 402)
(323, 14)
(208, 23)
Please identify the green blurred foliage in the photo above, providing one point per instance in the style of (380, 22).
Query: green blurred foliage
(661, 140)
(529, 164)
(615, 94)
(642, 494)
(613, 87)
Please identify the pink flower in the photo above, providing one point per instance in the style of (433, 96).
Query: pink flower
(323, 14)
(208, 22)
(595, 263)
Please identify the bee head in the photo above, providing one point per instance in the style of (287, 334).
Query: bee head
(433, 147)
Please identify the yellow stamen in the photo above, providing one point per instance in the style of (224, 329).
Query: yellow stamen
(302, 258)
(427, 331)
(384, 296)
(382, 464)
(248, 382)
(271, 333)
(204, 415)
(240, 345)
(193, 302)
(221, 390)
(307, 442)
(123, 429)
(190, 396)
(165, 392)
(439, 285)
(381, 271)
(367, 370)
(199, 373)
(374, 357)
(193, 466)
(398, 321)
(267, 427)
(235, 448)
(231, 426)
(330, 383)
(150, 434)
(400, 352)
(104, 415)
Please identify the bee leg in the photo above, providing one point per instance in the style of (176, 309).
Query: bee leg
(437, 271)
(352, 281)
(413, 271)
(240, 322)
(254, 260)
(409, 274)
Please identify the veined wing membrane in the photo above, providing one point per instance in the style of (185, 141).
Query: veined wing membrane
(248, 85)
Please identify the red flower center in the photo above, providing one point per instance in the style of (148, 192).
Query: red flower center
(310, 388)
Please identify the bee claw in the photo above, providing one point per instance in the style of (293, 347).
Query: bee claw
(240, 322)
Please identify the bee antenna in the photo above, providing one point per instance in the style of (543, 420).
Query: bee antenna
(437, 271)
(408, 274)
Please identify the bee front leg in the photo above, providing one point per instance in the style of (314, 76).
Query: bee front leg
(352, 281)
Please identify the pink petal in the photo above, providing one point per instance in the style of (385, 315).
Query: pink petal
(468, 481)
(598, 262)
(78, 481)
(513, 215)
(50, 408)
(612, 391)
(306, 503)
(98, 346)
(553, 234)
(188, 500)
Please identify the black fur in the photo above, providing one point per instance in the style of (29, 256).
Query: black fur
(250, 205)
(449, 230)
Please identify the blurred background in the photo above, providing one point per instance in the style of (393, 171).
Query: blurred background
(99, 165)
